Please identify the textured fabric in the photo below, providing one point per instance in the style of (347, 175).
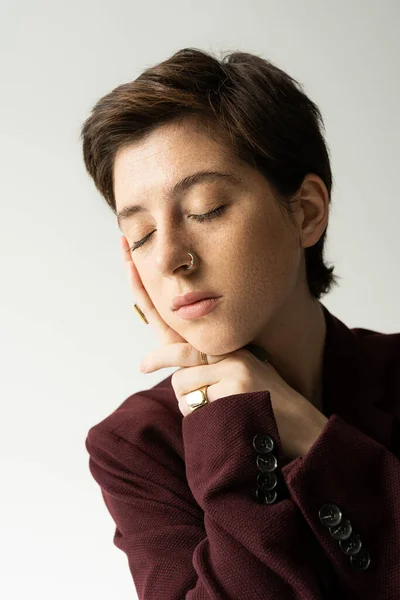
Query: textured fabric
(181, 490)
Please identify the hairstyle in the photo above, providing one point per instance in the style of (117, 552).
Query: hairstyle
(243, 102)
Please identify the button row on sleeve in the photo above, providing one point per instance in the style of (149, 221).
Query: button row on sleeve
(341, 530)
(269, 479)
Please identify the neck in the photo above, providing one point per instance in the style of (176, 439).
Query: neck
(294, 342)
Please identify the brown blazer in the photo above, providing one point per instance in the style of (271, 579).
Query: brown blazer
(207, 508)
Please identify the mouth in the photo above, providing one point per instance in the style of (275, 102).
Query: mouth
(198, 309)
(191, 298)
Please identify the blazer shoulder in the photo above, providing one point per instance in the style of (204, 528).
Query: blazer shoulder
(380, 354)
(385, 346)
(146, 418)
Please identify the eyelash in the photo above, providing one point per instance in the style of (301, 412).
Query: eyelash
(199, 218)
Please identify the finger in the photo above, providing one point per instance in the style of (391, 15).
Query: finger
(176, 355)
(189, 379)
(166, 334)
(213, 392)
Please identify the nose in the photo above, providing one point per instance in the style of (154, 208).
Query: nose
(172, 252)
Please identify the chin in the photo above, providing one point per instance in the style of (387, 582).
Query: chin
(216, 347)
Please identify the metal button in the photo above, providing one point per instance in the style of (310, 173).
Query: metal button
(263, 443)
(352, 545)
(330, 515)
(267, 481)
(341, 531)
(266, 497)
(267, 462)
(361, 561)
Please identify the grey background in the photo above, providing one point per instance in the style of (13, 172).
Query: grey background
(70, 343)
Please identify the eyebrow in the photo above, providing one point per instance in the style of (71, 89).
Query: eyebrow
(181, 186)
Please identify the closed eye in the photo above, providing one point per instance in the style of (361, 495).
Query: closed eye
(199, 218)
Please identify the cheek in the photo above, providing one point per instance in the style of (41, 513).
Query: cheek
(149, 283)
(269, 257)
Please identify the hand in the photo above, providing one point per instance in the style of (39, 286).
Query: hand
(299, 422)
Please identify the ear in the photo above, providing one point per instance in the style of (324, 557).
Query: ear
(312, 210)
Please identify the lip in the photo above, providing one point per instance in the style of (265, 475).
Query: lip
(197, 309)
(191, 298)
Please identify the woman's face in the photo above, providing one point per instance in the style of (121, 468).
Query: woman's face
(251, 254)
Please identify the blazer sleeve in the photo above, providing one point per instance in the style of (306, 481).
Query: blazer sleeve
(348, 489)
(196, 529)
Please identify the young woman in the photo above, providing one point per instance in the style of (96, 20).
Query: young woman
(267, 465)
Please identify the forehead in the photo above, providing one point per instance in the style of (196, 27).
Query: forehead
(165, 154)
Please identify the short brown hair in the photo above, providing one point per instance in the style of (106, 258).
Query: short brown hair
(243, 101)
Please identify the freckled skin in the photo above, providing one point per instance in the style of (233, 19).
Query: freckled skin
(252, 255)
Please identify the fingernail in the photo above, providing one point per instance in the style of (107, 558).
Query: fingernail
(143, 368)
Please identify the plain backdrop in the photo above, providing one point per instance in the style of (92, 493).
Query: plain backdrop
(71, 344)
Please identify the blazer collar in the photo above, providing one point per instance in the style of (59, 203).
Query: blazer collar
(354, 380)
